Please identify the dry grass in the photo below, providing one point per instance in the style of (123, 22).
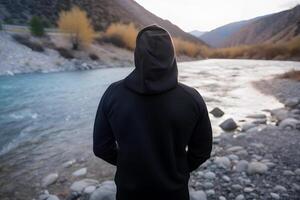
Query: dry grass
(183, 47)
(122, 35)
(293, 74)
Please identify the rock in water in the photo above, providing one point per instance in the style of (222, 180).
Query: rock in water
(197, 195)
(257, 116)
(228, 125)
(69, 163)
(50, 179)
(257, 168)
(217, 112)
(79, 186)
(80, 172)
(289, 123)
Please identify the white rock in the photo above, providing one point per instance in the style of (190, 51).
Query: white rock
(274, 195)
(79, 186)
(50, 179)
(222, 198)
(240, 197)
(106, 191)
(237, 187)
(109, 185)
(210, 175)
(223, 162)
(80, 172)
(198, 195)
(242, 166)
(248, 189)
(69, 163)
(257, 167)
(233, 157)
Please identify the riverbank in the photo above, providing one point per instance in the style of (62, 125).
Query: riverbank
(17, 58)
(258, 160)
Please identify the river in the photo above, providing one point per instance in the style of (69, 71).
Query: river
(47, 119)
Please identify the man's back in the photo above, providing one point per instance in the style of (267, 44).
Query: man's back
(145, 123)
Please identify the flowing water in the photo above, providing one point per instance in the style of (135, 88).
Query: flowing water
(47, 119)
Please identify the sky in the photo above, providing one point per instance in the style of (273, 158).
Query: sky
(205, 15)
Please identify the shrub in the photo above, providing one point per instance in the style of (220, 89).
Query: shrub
(78, 27)
(65, 53)
(93, 56)
(188, 48)
(36, 26)
(121, 35)
(26, 41)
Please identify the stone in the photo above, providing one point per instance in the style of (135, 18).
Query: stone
(288, 173)
(280, 113)
(102, 193)
(222, 198)
(208, 185)
(235, 148)
(210, 192)
(297, 171)
(280, 188)
(69, 163)
(290, 124)
(237, 187)
(248, 189)
(80, 172)
(109, 185)
(50, 179)
(228, 125)
(226, 178)
(242, 166)
(198, 195)
(233, 157)
(89, 189)
(217, 112)
(260, 121)
(240, 197)
(257, 168)
(210, 175)
(223, 162)
(247, 126)
(257, 116)
(274, 195)
(292, 102)
(52, 197)
(79, 186)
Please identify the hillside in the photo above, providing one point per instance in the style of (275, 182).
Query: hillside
(216, 37)
(101, 12)
(197, 33)
(275, 28)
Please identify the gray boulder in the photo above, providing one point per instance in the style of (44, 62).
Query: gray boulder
(217, 112)
(52, 197)
(242, 166)
(248, 126)
(228, 125)
(106, 191)
(257, 116)
(223, 162)
(292, 102)
(280, 113)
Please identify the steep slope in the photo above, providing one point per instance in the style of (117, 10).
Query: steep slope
(278, 27)
(218, 36)
(101, 12)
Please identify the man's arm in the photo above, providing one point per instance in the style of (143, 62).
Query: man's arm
(104, 143)
(200, 144)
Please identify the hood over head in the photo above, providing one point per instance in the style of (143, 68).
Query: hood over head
(155, 63)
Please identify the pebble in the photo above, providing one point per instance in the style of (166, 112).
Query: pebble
(237, 187)
(226, 178)
(289, 124)
(50, 179)
(80, 172)
(257, 116)
(248, 189)
(210, 175)
(235, 148)
(240, 197)
(288, 173)
(233, 157)
(208, 185)
(297, 171)
(217, 112)
(210, 192)
(247, 126)
(52, 197)
(274, 195)
(69, 163)
(257, 168)
(89, 189)
(280, 188)
(222, 198)
(223, 162)
(79, 186)
(198, 195)
(242, 166)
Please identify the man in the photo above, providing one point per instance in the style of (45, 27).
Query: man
(154, 129)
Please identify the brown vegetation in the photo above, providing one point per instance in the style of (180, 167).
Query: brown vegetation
(293, 74)
(184, 47)
(77, 26)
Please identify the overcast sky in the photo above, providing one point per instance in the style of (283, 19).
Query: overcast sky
(205, 15)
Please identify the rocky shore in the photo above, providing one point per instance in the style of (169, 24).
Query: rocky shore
(255, 159)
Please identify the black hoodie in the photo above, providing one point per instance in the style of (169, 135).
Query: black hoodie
(154, 129)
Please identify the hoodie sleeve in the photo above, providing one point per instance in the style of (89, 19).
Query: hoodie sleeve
(104, 143)
(200, 144)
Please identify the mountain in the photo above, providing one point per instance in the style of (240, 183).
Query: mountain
(197, 33)
(101, 12)
(278, 27)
